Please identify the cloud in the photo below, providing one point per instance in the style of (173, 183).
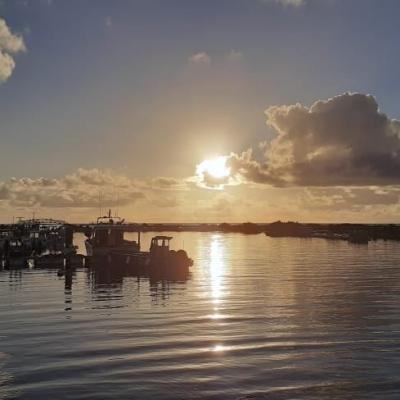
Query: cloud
(200, 58)
(79, 189)
(354, 199)
(214, 181)
(203, 58)
(9, 44)
(84, 188)
(220, 204)
(7, 66)
(294, 3)
(343, 141)
(108, 22)
(235, 55)
(205, 179)
(167, 183)
(165, 201)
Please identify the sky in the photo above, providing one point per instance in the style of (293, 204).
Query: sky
(120, 104)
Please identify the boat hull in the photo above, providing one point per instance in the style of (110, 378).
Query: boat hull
(94, 251)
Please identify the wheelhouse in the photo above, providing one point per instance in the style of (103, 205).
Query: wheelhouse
(160, 243)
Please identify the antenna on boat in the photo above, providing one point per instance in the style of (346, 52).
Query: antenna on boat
(117, 206)
(100, 202)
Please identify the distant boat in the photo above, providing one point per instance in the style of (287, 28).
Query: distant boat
(358, 237)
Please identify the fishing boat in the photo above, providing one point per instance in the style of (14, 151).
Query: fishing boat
(162, 258)
(36, 242)
(106, 244)
(106, 238)
(159, 259)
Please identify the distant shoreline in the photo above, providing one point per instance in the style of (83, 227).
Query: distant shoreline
(352, 232)
(357, 233)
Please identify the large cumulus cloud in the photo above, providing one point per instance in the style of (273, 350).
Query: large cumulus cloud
(343, 141)
(10, 44)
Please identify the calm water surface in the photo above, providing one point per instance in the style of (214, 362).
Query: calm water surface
(258, 318)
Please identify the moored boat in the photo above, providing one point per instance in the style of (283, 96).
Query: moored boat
(161, 257)
(106, 238)
(106, 244)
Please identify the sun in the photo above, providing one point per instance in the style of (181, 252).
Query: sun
(216, 167)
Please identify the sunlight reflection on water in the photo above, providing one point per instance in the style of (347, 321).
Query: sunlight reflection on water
(217, 267)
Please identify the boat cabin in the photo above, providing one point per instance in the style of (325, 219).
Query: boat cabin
(108, 237)
(108, 232)
(160, 244)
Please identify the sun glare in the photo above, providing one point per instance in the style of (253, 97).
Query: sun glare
(216, 167)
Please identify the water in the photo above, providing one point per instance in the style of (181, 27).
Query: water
(258, 318)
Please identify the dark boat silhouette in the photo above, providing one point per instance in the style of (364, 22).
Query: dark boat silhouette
(106, 245)
(107, 237)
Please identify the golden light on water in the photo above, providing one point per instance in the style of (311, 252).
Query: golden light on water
(216, 167)
(214, 257)
(216, 268)
(218, 348)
